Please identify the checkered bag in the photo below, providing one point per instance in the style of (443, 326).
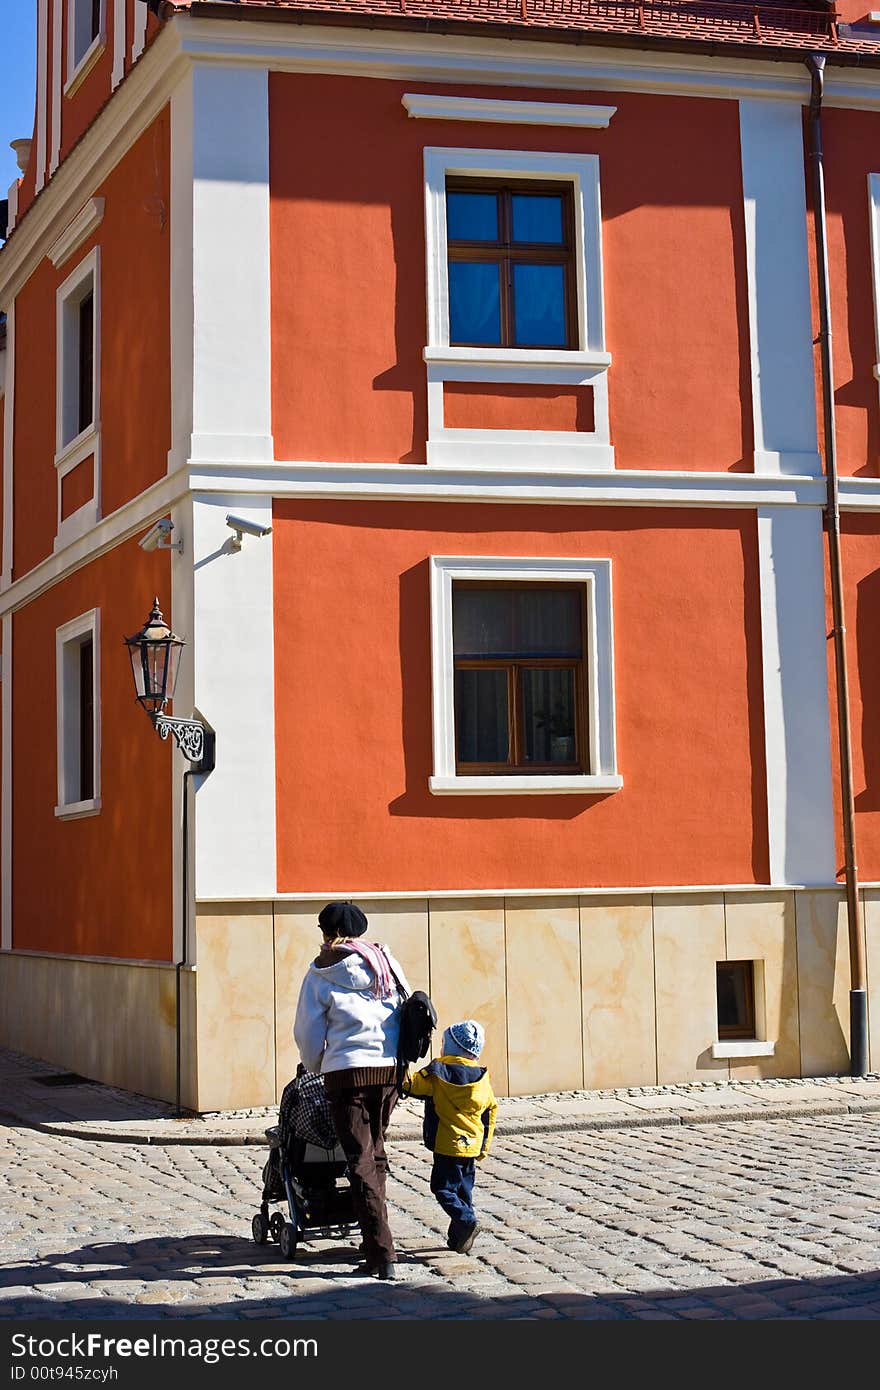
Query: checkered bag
(305, 1111)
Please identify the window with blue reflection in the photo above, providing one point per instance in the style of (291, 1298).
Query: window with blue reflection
(537, 217)
(472, 216)
(474, 302)
(539, 318)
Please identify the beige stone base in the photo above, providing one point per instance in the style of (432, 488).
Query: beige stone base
(109, 1021)
(588, 991)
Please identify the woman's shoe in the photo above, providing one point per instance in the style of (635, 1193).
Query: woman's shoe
(385, 1270)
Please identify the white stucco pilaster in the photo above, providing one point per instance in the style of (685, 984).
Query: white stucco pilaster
(797, 730)
(231, 328)
(42, 90)
(780, 323)
(57, 84)
(234, 691)
(221, 413)
(119, 7)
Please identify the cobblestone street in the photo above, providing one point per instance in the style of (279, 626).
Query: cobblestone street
(757, 1220)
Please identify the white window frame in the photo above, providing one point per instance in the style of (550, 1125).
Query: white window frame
(758, 1046)
(78, 68)
(586, 365)
(68, 640)
(73, 450)
(595, 576)
(874, 220)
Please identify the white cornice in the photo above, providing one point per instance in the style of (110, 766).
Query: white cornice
(859, 494)
(335, 891)
(421, 482)
(412, 57)
(82, 226)
(554, 113)
(439, 57)
(119, 526)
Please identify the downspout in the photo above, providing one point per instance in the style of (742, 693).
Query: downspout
(858, 997)
(178, 965)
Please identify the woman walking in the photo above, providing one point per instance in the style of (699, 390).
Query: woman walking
(346, 1027)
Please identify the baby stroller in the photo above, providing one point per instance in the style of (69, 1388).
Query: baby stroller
(305, 1168)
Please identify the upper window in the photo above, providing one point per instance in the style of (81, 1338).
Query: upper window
(77, 353)
(522, 670)
(512, 279)
(84, 33)
(520, 687)
(514, 296)
(77, 690)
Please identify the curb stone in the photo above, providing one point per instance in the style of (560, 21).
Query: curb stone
(649, 1120)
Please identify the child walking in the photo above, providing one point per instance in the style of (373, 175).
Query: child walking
(460, 1112)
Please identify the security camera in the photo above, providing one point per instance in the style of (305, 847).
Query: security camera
(243, 527)
(159, 536)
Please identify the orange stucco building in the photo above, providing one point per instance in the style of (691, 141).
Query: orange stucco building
(501, 327)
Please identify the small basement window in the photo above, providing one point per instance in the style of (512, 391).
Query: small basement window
(735, 986)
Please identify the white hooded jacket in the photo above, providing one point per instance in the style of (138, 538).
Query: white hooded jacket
(339, 1022)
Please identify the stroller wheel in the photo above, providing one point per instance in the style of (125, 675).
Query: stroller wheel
(276, 1225)
(288, 1240)
(260, 1229)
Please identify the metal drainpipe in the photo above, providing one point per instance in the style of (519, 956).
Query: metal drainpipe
(184, 935)
(858, 997)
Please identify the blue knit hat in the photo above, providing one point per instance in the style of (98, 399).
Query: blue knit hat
(463, 1039)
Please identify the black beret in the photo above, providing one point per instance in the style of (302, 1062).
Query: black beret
(342, 919)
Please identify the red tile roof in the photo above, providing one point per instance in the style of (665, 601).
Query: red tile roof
(678, 23)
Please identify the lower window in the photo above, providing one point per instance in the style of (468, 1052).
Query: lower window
(523, 679)
(735, 985)
(520, 687)
(78, 690)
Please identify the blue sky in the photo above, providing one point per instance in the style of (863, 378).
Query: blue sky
(18, 49)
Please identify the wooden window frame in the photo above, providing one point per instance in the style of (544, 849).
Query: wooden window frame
(728, 1032)
(505, 253)
(515, 712)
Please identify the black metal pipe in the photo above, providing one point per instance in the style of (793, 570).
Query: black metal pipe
(184, 923)
(858, 997)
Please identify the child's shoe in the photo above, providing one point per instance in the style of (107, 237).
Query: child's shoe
(463, 1237)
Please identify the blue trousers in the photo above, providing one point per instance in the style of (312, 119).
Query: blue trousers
(452, 1183)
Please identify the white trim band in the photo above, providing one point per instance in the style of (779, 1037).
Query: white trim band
(77, 231)
(553, 113)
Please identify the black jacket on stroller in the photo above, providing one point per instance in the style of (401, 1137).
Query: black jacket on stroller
(306, 1168)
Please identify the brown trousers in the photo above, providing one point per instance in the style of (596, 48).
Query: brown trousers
(361, 1115)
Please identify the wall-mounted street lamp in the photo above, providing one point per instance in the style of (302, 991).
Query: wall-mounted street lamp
(155, 659)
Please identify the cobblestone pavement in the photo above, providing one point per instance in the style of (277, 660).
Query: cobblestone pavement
(759, 1220)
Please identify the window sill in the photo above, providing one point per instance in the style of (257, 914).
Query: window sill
(85, 64)
(536, 786)
(743, 1048)
(516, 357)
(78, 448)
(78, 810)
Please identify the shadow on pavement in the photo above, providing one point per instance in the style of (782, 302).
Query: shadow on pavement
(419, 1291)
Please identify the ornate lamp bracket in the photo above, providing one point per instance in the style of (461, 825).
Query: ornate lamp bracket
(192, 738)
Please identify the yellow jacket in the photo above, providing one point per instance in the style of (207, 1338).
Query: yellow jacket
(460, 1106)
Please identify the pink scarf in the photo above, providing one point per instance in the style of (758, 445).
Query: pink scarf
(384, 983)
